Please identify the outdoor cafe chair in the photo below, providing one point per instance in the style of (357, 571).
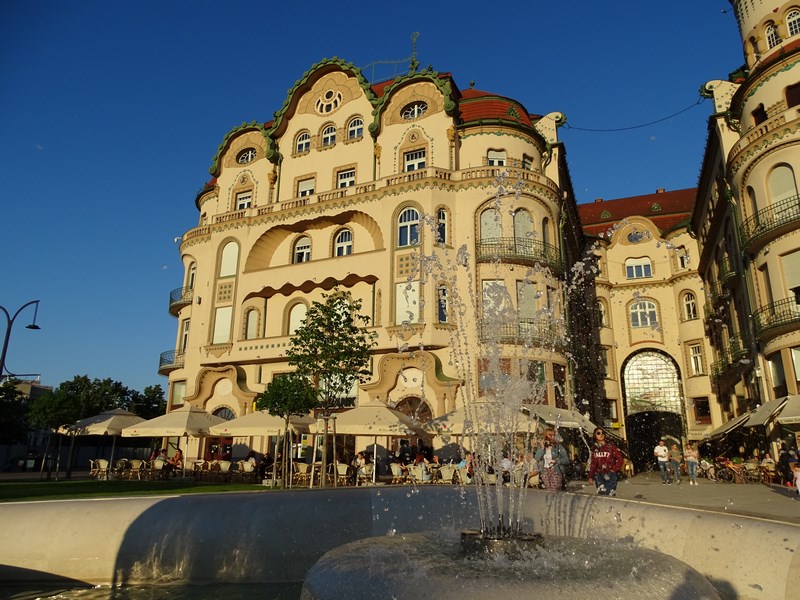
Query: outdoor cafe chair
(365, 474)
(120, 466)
(398, 475)
(301, 473)
(446, 474)
(136, 469)
(418, 474)
(343, 474)
(224, 473)
(102, 468)
(157, 470)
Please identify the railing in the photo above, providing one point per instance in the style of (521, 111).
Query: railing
(773, 319)
(169, 361)
(756, 133)
(730, 359)
(769, 222)
(520, 251)
(510, 174)
(727, 272)
(528, 332)
(178, 298)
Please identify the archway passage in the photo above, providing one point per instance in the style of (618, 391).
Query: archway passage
(653, 404)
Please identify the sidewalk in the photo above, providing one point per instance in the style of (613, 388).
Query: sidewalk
(750, 499)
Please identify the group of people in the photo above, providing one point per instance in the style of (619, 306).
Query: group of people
(671, 458)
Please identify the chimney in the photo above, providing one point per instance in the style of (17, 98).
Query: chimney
(660, 191)
(598, 199)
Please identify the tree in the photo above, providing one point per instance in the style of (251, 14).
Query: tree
(332, 349)
(76, 399)
(148, 404)
(13, 407)
(286, 396)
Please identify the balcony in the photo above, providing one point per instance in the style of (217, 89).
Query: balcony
(731, 361)
(178, 298)
(169, 361)
(727, 273)
(769, 223)
(521, 251)
(540, 333)
(776, 319)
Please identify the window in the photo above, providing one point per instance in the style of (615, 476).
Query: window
(759, 114)
(771, 33)
(222, 325)
(329, 136)
(246, 156)
(415, 110)
(792, 95)
(406, 303)
(251, 325)
(702, 411)
(490, 225)
(441, 226)
(643, 314)
(355, 129)
(496, 158)
(184, 341)
(228, 260)
(523, 227)
(441, 304)
(494, 375)
(527, 163)
(793, 22)
(305, 187)
(696, 359)
(689, 306)
(178, 393)
(683, 258)
(346, 178)
(343, 243)
(782, 184)
(638, 268)
(601, 314)
(552, 298)
(526, 301)
(244, 200)
(329, 102)
(414, 160)
(546, 230)
(192, 276)
(303, 142)
(408, 228)
(302, 250)
(297, 314)
(606, 361)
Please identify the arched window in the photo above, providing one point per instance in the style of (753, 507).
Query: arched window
(191, 276)
(303, 143)
(689, 306)
(490, 225)
(251, 325)
(329, 136)
(782, 184)
(297, 314)
(224, 413)
(408, 228)
(751, 196)
(441, 226)
(652, 383)
(638, 268)
(228, 260)
(771, 33)
(343, 243)
(441, 304)
(793, 22)
(643, 314)
(546, 230)
(355, 129)
(302, 250)
(523, 226)
(602, 317)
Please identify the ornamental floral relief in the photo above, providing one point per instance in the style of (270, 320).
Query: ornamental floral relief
(329, 94)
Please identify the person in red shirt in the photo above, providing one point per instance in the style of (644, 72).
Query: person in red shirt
(604, 464)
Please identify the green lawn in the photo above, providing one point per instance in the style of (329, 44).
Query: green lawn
(63, 490)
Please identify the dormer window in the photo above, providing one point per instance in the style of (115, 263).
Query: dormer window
(329, 102)
(415, 110)
(247, 155)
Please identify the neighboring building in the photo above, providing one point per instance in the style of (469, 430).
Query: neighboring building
(350, 185)
(654, 351)
(747, 220)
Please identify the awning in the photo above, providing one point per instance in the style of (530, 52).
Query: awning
(728, 427)
(765, 412)
(791, 411)
(561, 417)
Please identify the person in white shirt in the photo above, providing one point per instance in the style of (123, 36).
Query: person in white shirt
(661, 452)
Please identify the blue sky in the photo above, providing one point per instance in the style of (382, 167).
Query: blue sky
(110, 113)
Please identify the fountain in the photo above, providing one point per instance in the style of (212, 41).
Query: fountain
(503, 555)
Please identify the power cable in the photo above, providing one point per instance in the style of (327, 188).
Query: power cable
(699, 101)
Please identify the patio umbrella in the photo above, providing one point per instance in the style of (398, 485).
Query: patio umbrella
(482, 417)
(375, 419)
(188, 420)
(561, 417)
(110, 422)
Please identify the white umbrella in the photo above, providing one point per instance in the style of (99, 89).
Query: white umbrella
(188, 420)
(482, 417)
(260, 423)
(561, 417)
(375, 419)
(110, 422)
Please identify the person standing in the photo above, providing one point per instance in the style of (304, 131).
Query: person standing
(604, 463)
(551, 458)
(661, 452)
(692, 458)
(675, 460)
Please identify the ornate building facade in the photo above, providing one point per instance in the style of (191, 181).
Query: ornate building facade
(353, 186)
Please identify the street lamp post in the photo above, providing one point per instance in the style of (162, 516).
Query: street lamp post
(9, 324)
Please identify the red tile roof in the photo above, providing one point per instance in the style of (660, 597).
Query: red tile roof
(664, 209)
(476, 105)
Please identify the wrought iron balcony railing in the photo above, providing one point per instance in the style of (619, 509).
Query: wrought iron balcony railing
(518, 250)
(769, 223)
(776, 318)
(169, 361)
(727, 272)
(544, 333)
(178, 298)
